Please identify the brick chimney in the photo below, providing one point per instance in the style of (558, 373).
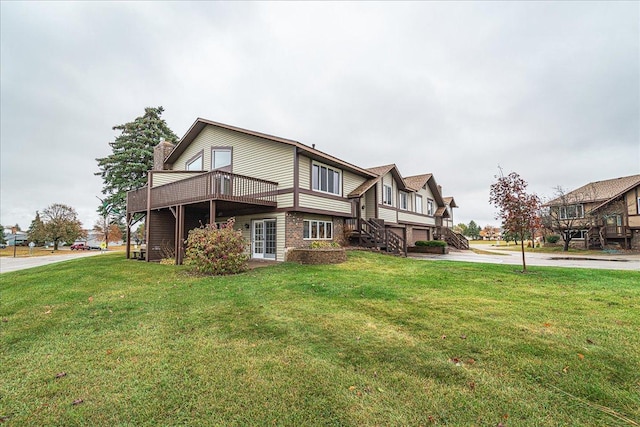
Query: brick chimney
(160, 152)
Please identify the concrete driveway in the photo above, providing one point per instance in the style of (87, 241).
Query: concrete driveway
(609, 262)
(8, 264)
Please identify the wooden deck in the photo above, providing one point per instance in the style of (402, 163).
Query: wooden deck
(214, 185)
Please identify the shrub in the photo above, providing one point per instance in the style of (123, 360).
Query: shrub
(431, 243)
(218, 251)
(321, 244)
(554, 238)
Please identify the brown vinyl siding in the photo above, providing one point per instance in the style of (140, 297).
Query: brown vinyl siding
(161, 231)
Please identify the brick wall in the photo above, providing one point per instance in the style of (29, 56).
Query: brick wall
(294, 223)
(317, 256)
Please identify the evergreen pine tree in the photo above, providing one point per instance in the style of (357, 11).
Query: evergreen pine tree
(36, 230)
(126, 168)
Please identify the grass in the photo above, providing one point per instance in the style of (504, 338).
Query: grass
(378, 340)
(26, 252)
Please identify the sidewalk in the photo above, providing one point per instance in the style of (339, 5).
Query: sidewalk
(8, 264)
(497, 256)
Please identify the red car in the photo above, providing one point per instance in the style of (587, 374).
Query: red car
(79, 247)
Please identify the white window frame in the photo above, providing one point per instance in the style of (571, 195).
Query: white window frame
(404, 200)
(323, 175)
(578, 234)
(638, 211)
(387, 192)
(189, 163)
(314, 229)
(564, 211)
(226, 167)
(418, 204)
(430, 207)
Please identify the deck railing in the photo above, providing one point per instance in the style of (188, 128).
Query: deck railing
(137, 200)
(214, 185)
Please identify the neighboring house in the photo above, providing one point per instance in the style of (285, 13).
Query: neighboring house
(282, 194)
(19, 238)
(603, 212)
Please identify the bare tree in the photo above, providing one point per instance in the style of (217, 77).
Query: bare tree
(565, 214)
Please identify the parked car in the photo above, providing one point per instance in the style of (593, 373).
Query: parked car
(80, 247)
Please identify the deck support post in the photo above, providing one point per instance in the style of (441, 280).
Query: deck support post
(128, 235)
(212, 212)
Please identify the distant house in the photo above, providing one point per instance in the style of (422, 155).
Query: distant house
(604, 212)
(283, 194)
(19, 238)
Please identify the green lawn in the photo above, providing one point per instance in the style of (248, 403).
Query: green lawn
(378, 340)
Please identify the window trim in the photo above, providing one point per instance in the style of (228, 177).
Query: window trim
(418, 197)
(192, 160)
(638, 211)
(227, 168)
(563, 211)
(430, 207)
(307, 229)
(387, 199)
(403, 196)
(318, 181)
(578, 234)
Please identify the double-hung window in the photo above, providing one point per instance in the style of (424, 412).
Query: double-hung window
(386, 195)
(418, 204)
(313, 229)
(326, 179)
(404, 201)
(572, 211)
(430, 210)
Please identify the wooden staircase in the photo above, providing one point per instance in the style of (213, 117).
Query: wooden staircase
(454, 239)
(373, 234)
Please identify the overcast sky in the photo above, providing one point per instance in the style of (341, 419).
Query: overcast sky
(547, 89)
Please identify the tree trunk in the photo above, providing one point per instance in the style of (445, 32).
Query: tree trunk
(524, 264)
(567, 239)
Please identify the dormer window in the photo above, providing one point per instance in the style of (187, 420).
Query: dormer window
(326, 179)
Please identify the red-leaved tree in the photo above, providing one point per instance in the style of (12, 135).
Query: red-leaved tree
(518, 210)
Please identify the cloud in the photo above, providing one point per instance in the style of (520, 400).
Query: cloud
(550, 90)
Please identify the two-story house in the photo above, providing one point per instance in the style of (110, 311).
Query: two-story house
(602, 213)
(282, 194)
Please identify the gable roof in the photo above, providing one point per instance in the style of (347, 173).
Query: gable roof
(379, 172)
(201, 123)
(416, 182)
(602, 191)
(450, 201)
